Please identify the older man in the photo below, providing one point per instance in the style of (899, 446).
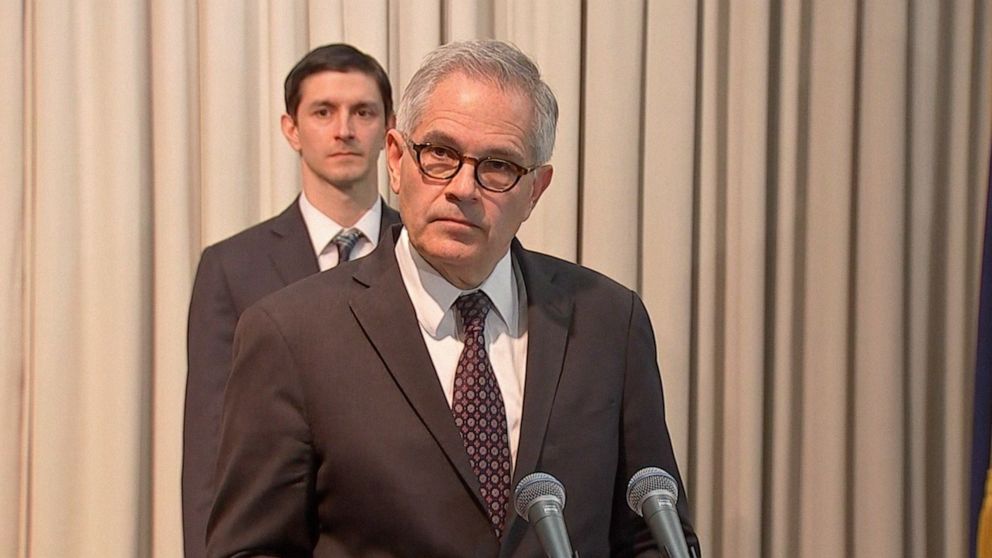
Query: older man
(387, 408)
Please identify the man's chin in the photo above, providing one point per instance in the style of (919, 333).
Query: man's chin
(458, 260)
(453, 239)
(447, 249)
(346, 180)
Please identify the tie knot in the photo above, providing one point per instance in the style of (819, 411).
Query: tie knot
(345, 240)
(473, 308)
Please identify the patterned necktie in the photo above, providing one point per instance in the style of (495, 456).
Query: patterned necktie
(345, 240)
(477, 406)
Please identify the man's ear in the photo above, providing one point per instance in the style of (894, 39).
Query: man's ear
(394, 157)
(542, 179)
(290, 131)
(541, 183)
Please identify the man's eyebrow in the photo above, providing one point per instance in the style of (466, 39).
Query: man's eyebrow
(320, 103)
(366, 105)
(441, 138)
(511, 155)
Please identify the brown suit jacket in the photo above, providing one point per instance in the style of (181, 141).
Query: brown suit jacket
(337, 439)
(233, 274)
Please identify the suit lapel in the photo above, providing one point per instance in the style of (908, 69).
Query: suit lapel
(292, 252)
(386, 315)
(384, 309)
(549, 316)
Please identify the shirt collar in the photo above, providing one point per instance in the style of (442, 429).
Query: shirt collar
(322, 228)
(432, 295)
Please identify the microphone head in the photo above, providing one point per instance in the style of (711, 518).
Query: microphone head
(537, 486)
(650, 481)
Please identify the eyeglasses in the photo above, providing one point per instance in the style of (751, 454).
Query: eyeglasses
(441, 162)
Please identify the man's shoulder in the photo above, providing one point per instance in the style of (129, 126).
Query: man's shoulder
(255, 236)
(321, 290)
(571, 275)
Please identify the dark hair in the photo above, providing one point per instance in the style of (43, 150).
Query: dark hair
(336, 58)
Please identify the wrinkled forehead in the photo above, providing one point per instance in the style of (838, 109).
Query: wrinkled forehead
(463, 109)
(462, 102)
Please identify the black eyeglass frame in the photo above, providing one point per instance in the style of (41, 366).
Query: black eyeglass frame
(476, 161)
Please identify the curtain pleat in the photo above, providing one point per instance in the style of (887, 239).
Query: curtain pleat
(666, 230)
(89, 482)
(794, 188)
(549, 32)
(789, 78)
(609, 226)
(709, 276)
(879, 286)
(176, 244)
(284, 27)
(13, 163)
(744, 295)
(826, 397)
(230, 85)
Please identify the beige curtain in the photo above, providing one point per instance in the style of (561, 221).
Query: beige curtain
(795, 187)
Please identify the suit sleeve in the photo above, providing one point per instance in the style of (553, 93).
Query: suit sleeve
(644, 440)
(265, 466)
(212, 319)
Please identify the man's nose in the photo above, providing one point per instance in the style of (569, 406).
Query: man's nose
(463, 185)
(344, 126)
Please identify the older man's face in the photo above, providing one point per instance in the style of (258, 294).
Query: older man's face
(461, 229)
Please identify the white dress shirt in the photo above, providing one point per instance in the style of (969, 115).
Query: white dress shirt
(322, 229)
(506, 326)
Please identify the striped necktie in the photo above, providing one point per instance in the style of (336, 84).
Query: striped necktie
(345, 241)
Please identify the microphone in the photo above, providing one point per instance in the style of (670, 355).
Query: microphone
(539, 498)
(652, 494)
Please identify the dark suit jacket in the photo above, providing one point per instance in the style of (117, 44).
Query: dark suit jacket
(337, 439)
(233, 274)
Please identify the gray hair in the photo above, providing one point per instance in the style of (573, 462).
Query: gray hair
(495, 61)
